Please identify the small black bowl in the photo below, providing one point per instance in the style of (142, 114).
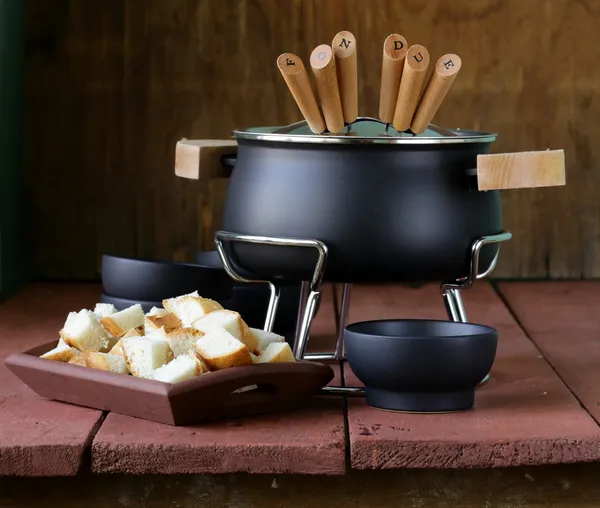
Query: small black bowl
(419, 365)
(141, 279)
(124, 303)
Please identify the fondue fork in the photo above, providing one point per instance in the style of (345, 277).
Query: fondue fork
(322, 63)
(294, 73)
(344, 52)
(411, 85)
(394, 54)
(444, 73)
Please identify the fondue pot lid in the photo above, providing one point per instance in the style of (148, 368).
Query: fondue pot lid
(364, 131)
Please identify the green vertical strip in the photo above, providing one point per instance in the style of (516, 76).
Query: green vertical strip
(12, 40)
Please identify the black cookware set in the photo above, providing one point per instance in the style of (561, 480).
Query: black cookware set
(363, 203)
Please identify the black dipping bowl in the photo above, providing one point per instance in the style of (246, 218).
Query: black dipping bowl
(140, 279)
(420, 366)
(124, 303)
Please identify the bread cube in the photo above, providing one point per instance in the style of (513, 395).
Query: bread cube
(220, 350)
(143, 355)
(105, 361)
(277, 352)
(179, 369)
(83, 331)
(263, 338)
(190, 308)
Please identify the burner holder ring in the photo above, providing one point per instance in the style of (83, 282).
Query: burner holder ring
(310, 293)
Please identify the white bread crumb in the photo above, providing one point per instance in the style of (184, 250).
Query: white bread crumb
(168, 321)
(143, 355)
(61, 353)
(263, 338)
(157, 311)
(182, 340)
(107, 362)
(78, 360)
(177, 370)
(277, 352)
(190, 308)
(202, 367)
(120, 323)
(104, 309)
(117, 349)
(83, 331)
(230, 321)
(220, 350)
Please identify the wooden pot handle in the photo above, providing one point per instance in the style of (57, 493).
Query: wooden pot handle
(521, 170)
(200, 159)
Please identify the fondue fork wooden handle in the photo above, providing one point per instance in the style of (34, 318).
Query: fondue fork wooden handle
(344, 52)
(294, 73)
(394, 54)
(521, 170)
(446, 69)
(411, 84)
(322, 63)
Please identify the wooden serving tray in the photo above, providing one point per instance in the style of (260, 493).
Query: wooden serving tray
(209, 397)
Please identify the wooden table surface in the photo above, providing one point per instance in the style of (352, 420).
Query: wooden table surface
(541, 407)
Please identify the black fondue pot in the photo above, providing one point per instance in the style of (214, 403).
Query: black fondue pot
(389, 206)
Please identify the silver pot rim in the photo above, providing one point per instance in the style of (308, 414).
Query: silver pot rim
(364, 131)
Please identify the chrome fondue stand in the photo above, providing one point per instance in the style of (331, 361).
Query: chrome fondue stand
(311, 291)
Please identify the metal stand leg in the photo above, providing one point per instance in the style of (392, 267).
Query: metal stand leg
(313, 290)
(309, 298)
(454, 305)
(451, 290)
(340, 350)
(304, 291)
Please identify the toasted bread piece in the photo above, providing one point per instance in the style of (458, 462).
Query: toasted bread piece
(168, 321)
(83, 331)
(179, 369)
(202, 367)
(220, 350)
(263, 338)
(105, 361)
(78, 360)
(104, 309)
(120, 323)
(143, 355)
(189, 308)
(61, 353)
(158, 311)
(134, 332)
(230, 321)
(117, 349)
(277, 352)
(70, 317)
(182, 340)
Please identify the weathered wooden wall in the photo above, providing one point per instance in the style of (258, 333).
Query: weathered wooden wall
(112, 85)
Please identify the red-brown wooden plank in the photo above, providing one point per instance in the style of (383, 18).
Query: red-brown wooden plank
(306, 441)
(40, 437)
(563, 319)
(524, 416)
